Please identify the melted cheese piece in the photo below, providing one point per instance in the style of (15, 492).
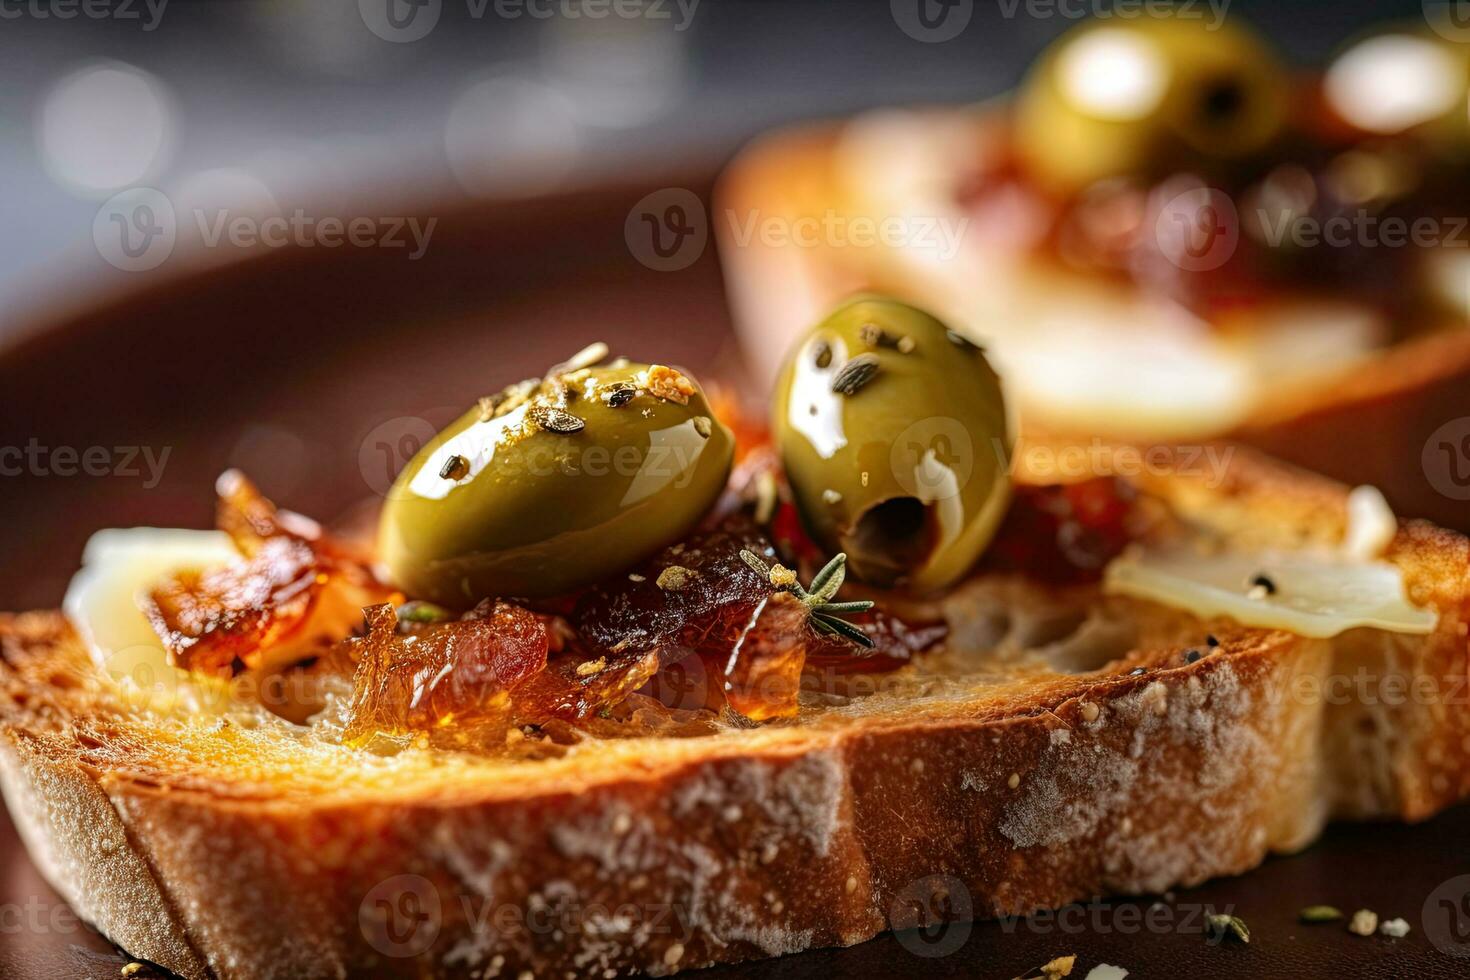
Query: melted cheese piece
(103, 602)
(1315, 595)
(1370, 524)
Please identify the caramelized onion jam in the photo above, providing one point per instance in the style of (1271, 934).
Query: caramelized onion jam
(689, 642)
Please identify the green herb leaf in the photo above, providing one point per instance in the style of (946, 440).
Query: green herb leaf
(843, 628)
(826, 582)
(755, 564)
(856, 606)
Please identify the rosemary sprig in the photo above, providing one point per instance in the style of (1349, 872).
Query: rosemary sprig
(826, 615)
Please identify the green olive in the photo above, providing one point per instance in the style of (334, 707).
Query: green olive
(555, 484)
(893, 433)
(1146, 98)
(1404, 79)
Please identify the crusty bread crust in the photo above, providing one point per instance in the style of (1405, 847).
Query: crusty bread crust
(1366, 422)
(224, 850)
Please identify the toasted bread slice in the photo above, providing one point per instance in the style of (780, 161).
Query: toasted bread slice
(1065, 744)
(809, 215)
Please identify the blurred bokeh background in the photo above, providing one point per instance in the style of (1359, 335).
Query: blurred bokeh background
(274, 104)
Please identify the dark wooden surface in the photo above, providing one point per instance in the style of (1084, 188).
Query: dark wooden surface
(301, 366)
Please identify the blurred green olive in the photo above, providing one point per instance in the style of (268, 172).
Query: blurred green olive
(1404, 79)
(1148, 97)
(555, 483)
(892, 430)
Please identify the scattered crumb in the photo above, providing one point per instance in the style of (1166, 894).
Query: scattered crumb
(1226, 926)
(1014, 781)
(667, 383)
(830, 496)
(591, 667)
(674, 954)
(1059, 967)
(1397, 928)
(782, 577)
(635, 577)
(1106, 971)
(731, 813)
(851, 884)
(130, 969)
(1089, 711)
(1364, 922)
(703, 426)
(676, 577)
(769, 852)
(622, 823)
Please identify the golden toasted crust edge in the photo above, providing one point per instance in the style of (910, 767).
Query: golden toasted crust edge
(1146, 783)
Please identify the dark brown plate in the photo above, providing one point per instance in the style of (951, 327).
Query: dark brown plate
(312, 370)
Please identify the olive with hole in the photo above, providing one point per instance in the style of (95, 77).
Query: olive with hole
(892, 430)
(1147, 98)
(555, 483)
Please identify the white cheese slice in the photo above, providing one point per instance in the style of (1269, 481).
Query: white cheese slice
(103, 600)
(1308, 594)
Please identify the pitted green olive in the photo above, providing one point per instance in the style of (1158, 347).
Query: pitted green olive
(1148, 97)
(554, 484)
(893, 433)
